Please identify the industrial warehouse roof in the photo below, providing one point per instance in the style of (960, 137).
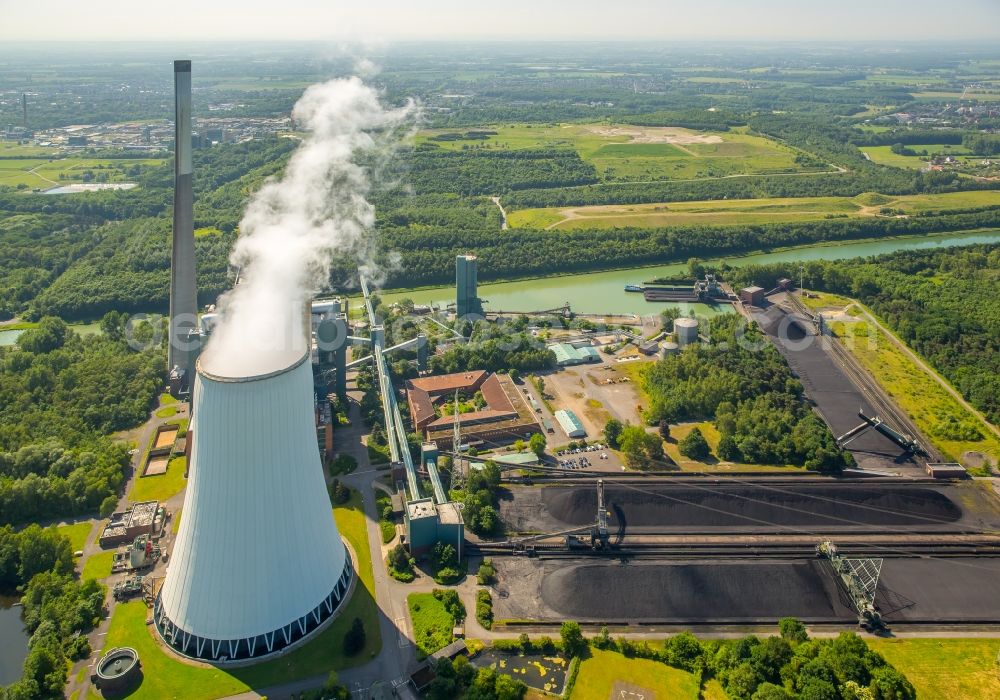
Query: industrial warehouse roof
(566, 354)
(458, 381)
(517, 458)
(570, 424)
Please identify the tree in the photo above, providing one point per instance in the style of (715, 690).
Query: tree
(487, 573)
(536, 443)
(49, 335)
(113, 324)
(108, 506)
(683, 651)
(668, 316)
(514, 374)
(507, 688)
(612, 432)
(642, 450)
(333, 690)
(770, 691)
(339, 492)
(695, 446)
(890, 684)
(793, 630)
(664, 429)
(354, 640)
(399, 559)
(573, 642)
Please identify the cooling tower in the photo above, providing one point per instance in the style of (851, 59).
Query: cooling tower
(258, 563)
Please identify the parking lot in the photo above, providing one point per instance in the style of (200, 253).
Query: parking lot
(592, 456)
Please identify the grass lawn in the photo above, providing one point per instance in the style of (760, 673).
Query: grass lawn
(713, 691)
(378, 454)
(963, 669)
(432, 624)
(166, 411)
(166, 677)
(742, 211)
(603, 669)
(44, 170)
(77, 534)
(934, 410)
(98, 566)
(161, 486)
(167, 399)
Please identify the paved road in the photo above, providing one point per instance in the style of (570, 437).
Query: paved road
(503, 213)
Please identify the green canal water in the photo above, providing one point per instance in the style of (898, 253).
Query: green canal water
(604, 292)
(10, 336)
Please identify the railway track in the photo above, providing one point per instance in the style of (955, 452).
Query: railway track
(985, 547)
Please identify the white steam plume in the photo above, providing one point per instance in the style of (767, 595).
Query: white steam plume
(294, 226)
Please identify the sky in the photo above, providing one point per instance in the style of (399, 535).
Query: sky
(394, 20)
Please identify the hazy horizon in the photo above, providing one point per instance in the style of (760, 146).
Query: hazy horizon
(527, 20)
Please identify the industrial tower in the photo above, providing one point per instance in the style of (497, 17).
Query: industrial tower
(466, 282)
(184, 340)
(258, 563)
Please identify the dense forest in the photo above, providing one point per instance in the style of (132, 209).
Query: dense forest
(740, 381)
(60, 395)
(58, 610)
(941, 302)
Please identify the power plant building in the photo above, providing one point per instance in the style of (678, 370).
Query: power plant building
(258, 563)
(467, 299)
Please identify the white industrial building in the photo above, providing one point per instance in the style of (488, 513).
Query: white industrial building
(258, 563)
(570, 424)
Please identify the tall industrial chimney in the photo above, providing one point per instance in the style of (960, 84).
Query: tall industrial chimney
(183, 337)
(258, 563)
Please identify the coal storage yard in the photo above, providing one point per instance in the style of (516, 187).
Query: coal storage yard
(837, 396)
(735, 591)
(709, 505)
(721, 551)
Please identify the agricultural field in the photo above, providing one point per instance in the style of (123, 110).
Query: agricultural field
(636, 153)
(745, 211)
(883, 155)
(32, 167)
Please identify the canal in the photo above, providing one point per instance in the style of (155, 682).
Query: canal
(13, 641)
(604, 292)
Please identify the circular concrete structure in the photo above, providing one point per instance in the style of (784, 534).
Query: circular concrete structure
(118, 670)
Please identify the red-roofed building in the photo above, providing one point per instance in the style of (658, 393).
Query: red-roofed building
(505, 418)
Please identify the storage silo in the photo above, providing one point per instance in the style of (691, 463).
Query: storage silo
(668, 348)
(258, 563)
(686, 329)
